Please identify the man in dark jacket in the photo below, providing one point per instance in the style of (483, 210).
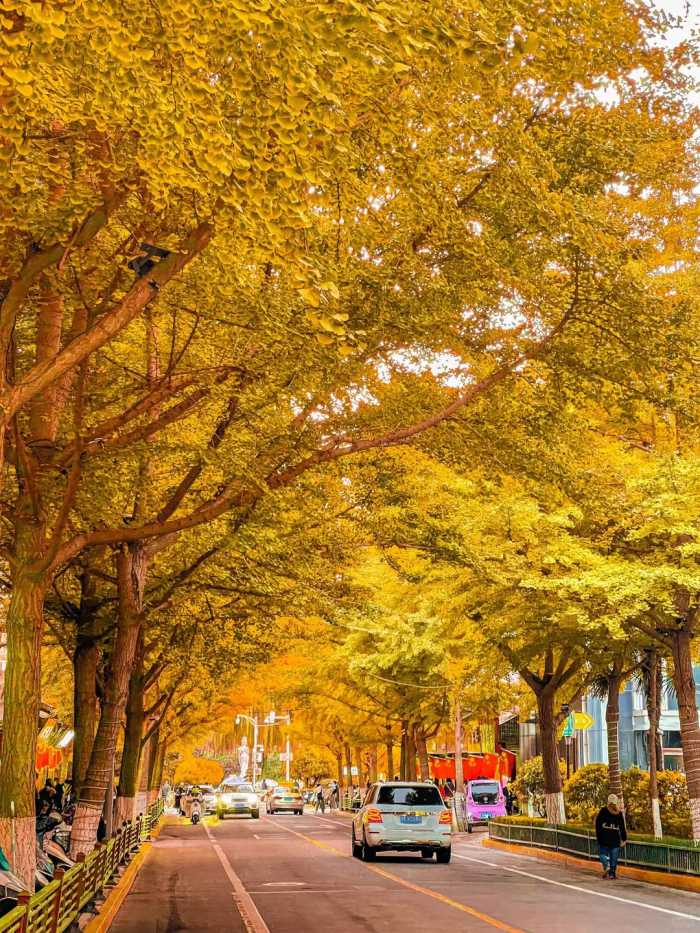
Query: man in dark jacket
(611, 834)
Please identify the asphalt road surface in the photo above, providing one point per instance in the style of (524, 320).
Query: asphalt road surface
(290, 874)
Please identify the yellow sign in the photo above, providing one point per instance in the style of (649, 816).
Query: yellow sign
(582, 721)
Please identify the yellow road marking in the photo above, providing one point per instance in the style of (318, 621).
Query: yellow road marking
(472, 911)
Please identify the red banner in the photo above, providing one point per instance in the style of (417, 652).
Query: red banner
(486, 765)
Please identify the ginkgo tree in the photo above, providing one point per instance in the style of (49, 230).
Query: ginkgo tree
(348, 196)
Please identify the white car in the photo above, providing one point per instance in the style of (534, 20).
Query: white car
(405, 817)
(208, 799)
(239, 799)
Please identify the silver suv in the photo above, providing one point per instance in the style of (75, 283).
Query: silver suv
(405, 817)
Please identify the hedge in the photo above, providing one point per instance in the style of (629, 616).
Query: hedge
(589, 830)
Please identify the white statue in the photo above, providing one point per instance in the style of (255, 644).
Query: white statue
(243, 758)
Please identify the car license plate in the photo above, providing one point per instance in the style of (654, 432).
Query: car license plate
(410, 818)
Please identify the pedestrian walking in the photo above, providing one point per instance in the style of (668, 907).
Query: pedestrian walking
(611, 833)
(334, 802)
(320, 800)
(510, 799)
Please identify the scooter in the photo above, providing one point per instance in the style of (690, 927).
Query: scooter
(196, 811)
(55, 851)
(10, 887)
(44, 868)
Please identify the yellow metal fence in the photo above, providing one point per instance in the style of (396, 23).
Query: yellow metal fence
(59, 904)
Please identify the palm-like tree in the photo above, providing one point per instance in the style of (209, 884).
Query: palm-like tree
(607, 685)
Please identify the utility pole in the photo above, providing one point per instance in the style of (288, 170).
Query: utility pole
(255, 751)
(459, 744)
(458, 803)
(289, 756)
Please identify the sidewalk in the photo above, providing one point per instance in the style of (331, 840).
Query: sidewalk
(181, 886)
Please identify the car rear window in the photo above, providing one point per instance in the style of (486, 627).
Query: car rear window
(428, 796)
(485, 792)
(242, 789)
(285, 792)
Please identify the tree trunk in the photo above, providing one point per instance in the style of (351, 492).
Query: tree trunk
(612, 720)
(373, 763)
(21, 713)
(553, 794)
(411, 753)
(422, 750)
(348, 764)
(659, 737)
(90, 803)
(339, 766)
(85, 661)
(684, 684)
(389, 745)
(133, 733)
(459, 745)
(156, 776)
(148, 751)
(403, 773)
(152, 781)
(358, 765)
(654, 712)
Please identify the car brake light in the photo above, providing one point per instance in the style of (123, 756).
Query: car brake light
(445, 817)
(374, 816)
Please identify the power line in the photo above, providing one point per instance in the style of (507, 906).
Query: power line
(404, 683)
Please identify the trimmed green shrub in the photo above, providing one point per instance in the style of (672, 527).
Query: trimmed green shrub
(676, 842)
(530, 780)
(587, 791)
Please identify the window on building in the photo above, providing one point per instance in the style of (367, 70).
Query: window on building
(673, 762)
(671, 739)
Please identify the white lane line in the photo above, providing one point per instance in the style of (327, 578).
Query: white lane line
(282, 884)
(575, 887)
(252, 920)
(324, 819)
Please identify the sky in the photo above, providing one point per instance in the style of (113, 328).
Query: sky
(689, 10)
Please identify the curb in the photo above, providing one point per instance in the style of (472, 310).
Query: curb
(118, 894)
(660, 878)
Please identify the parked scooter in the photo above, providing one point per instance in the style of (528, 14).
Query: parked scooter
(56, 852)
(51, 854)
(10, 886)
(44, 868)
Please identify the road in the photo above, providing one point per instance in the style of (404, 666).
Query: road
(290, 874)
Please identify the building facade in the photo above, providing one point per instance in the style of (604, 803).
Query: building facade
(634, 723)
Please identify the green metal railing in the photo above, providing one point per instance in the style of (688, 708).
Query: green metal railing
(654, 855)
(59, 904)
